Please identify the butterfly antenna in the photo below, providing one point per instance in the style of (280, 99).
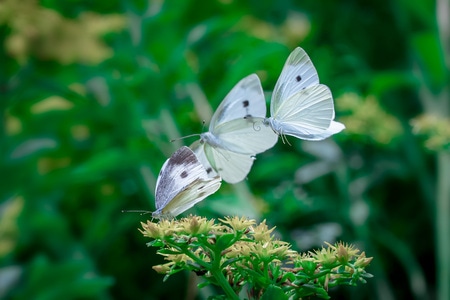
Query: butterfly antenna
(142, 212)
(183, 137)
(285, 140)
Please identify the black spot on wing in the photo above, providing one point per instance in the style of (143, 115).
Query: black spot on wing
(183, 174)
(298, 78)
(245, 103)
(208, 170)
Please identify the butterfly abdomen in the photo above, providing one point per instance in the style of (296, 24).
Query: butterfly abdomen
(275, 125)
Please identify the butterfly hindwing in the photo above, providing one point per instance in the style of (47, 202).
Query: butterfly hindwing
(233, 167)
(198, 149)
(246, 136)
(193, 193)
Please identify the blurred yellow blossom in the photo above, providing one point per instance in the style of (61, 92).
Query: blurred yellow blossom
(45, 33)
(9, 230)
(436, 131)
(364, 117)
(51, 103)
(294, 30)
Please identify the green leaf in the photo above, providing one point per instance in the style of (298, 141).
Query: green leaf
(225, 241)
(155, 243)
(274, 292)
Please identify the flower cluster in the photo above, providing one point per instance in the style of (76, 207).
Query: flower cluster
(434, 129)
(238, 253)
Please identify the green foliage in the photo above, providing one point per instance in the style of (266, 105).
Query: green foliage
(91, 92)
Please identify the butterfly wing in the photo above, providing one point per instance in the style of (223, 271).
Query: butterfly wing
(246, 99)
(193, 193)
(233, 167)
(182, 182)
(237, 132)
(298, 73)
(246, 136)
(198, 149)
(307, 115)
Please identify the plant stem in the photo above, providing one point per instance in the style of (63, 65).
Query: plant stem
(443, 226)
(216, 271)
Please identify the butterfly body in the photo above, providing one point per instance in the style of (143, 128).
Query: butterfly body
(236, 132)
(211, 139)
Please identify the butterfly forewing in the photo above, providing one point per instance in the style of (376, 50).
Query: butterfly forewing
(179, 174)
(244, 100)
(298, 73)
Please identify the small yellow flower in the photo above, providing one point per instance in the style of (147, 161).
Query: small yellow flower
(271, 250)
(239, 249)
(169, 227)
(344, 252)
(363, 261)
(237, 223)
(194, 225)
(151, 230)
(163, 269)
(325, 256)
(262, 233)
(176, 258)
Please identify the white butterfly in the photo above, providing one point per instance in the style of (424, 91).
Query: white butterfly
(182, 182)
(236, 132)
(300, 106)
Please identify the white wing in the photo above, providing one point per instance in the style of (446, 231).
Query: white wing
(298, 73)
(182, 182)
(236, 132)
(246, 99)
(198, 149)
(245, 136)
(307, 115)
(232, 167)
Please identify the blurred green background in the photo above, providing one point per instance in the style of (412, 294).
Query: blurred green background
(92, 92)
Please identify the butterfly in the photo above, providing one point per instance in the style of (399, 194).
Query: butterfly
(300, 106)
(182, 182)
(236, 132)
